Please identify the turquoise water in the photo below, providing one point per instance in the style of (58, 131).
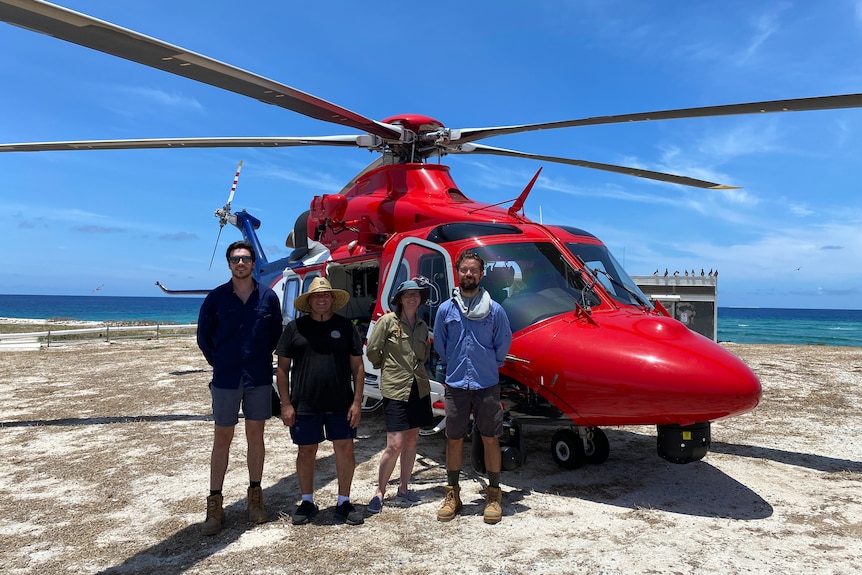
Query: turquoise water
(791, 326)
(740, 325)
(168, 309)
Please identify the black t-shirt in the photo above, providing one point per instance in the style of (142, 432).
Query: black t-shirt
(320, 374)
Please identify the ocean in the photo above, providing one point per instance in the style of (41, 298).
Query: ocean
(739, 325)
(167, 309)
(838, 327)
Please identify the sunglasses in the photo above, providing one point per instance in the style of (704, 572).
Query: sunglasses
(237, 259)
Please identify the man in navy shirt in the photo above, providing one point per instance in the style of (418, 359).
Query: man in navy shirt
(238, 328)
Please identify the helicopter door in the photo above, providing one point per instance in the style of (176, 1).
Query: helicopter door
(413, 258)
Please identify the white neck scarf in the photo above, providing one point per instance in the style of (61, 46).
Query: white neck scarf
(481, 304)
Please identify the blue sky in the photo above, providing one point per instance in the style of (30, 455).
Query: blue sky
(790, 237)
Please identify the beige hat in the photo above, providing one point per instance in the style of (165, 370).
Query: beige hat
(321, 285)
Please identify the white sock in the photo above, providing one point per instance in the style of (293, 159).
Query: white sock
(308, 497)
(342, 499)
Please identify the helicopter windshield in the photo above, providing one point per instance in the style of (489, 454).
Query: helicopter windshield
(533, 281)
(609, 273)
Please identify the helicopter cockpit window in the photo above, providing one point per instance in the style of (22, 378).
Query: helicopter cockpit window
(466, 230)
(291, 291)
(533, 281)
(608, 272)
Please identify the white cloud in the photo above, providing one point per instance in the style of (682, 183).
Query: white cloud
(162, 98)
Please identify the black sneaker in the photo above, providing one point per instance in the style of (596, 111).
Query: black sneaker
(304, 513)
(347, 513)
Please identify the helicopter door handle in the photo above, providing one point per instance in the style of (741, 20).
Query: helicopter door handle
(510, 357)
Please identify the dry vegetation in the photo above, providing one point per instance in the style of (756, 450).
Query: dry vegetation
(104, 454)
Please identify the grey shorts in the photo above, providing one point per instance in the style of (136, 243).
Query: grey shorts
(256, 404)
(483, 403)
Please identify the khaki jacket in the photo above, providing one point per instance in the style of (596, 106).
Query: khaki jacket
(400, 353)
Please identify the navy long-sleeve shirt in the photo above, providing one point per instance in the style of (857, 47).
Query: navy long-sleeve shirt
(236, 338)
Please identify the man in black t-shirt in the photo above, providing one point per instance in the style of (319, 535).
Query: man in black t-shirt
(318, 355)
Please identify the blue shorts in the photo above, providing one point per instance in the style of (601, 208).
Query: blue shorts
(309, 429)
(256, 403)
(483, 403)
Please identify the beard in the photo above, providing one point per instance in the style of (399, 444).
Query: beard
(469, 284)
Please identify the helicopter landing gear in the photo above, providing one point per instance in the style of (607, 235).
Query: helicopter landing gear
(513, 452)
(434, 429)
(571, 448)
(567, 449)
(371, 404)
(596, 445)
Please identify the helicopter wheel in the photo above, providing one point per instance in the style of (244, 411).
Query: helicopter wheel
(567, 449)
(596, 448)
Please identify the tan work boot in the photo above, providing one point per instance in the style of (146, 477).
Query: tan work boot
(451, 505)
(256, 513)
(215, 515)
(493, 505)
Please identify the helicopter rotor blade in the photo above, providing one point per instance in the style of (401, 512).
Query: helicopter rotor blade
(233, 186)
(637, 172)
(152, 143)
(102, 36)
(792, 105)
(224, 213)
(108, 38)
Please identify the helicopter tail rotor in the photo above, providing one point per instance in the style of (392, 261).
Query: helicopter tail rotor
(223, 214)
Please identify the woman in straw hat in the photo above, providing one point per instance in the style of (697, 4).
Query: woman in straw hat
(322, 353)
(399, 347)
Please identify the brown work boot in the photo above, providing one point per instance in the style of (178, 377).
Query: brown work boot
(493, 505)
(451, 505)
(256, 513)
(215, 515)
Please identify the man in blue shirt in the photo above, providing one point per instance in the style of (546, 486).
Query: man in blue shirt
(238, 328)
(472, 336)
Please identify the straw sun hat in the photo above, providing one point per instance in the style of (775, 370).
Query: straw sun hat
(321, 285)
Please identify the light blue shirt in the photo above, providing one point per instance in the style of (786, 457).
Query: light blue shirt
(472, 350)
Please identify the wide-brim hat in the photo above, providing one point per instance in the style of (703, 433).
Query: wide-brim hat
(321, 285)
(424, 291)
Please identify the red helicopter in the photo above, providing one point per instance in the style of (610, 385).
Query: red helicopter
(590, 350)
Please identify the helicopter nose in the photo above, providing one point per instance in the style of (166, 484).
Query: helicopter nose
(624, 370)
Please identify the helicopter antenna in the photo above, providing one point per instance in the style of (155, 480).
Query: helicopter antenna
(224, 212)
(519, 203)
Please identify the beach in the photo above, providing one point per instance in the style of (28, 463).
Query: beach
(104, 462)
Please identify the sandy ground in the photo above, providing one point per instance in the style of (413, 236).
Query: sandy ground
(104, 455)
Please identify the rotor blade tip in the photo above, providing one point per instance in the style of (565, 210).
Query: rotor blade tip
(722, 187)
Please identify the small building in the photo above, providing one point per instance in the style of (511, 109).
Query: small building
(691, 299)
